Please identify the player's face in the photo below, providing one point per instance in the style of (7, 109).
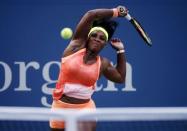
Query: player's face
(97, 41)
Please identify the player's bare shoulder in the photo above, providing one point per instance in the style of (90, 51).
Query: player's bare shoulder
(74, 46)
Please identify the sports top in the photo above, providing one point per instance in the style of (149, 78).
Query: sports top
(77, 79)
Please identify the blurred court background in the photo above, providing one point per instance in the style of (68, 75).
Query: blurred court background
(31, 49)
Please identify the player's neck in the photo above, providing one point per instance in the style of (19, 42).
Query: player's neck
(90, 57)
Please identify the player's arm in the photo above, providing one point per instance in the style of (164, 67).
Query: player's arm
(118, 73)
(81, 32)
(85, 23)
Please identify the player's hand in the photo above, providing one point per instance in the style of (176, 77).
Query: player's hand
(122, 11)
(117, 44)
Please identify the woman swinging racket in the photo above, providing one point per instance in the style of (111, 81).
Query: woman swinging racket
(81, 65)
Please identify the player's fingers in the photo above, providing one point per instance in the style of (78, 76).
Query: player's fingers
(118, 40)
(115, 40)
(112, 40)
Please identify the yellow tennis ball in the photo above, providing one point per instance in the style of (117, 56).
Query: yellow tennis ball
(66, 33)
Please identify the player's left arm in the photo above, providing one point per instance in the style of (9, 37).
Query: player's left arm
(118, 73)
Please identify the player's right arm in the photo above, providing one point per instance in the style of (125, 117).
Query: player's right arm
(81, 32)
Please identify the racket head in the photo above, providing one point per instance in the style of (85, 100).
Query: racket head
(141, 31)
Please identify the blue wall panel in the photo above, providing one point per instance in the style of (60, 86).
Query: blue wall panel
(30, 37)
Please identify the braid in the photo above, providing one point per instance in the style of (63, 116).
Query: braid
(108, 24)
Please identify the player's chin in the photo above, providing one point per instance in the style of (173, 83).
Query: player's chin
(94, 49)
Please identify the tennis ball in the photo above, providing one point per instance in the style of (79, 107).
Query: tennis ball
(66, 33)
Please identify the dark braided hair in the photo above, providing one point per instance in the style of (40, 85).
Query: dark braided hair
(108, 24)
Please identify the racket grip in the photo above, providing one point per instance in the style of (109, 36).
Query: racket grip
(128, 17)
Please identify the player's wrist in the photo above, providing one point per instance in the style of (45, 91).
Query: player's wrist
(120, 51)
(115, 12)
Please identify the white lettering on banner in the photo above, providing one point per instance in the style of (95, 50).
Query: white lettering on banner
(23, 71)
(110, 86)
(8, 76)
(46, 87)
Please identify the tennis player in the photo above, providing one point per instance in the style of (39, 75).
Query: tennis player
(81, 65)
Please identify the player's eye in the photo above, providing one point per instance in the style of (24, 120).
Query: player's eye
(94, 35)
(102, 38)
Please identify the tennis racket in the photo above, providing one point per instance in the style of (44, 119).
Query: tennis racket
(124, 12)
(141, 31)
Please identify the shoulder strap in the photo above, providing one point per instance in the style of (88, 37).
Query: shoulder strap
(67, 57)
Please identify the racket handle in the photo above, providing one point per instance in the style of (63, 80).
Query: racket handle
(128, 17)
